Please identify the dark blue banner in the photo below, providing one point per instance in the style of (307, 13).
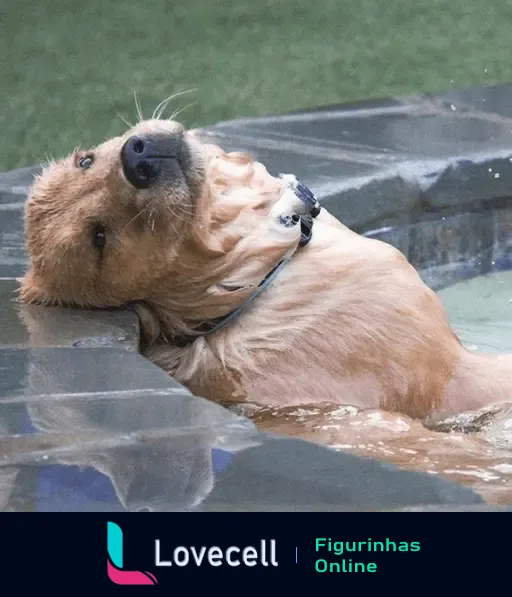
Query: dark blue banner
(234, 552)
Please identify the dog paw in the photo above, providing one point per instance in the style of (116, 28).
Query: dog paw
(302, 193)
(289, 207)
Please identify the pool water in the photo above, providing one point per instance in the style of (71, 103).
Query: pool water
(480, 311)
(471, 449)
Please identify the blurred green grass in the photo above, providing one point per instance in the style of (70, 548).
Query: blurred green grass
(67, 67)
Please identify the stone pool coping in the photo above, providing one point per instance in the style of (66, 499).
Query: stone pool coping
(380, 166)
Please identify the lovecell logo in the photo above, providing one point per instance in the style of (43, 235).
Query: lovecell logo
(115, 570)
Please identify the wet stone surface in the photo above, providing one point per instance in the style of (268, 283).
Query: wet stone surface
(38, 326)
(86, 423)
(404, 154)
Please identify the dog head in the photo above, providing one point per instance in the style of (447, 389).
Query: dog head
(153, 216)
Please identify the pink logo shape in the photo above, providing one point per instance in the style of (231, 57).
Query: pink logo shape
(129, 577)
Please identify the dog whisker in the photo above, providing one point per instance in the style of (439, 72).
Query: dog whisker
(159, 110)
(138, 108)
(183, 216)
(128, 124)
(177, 215)
(185, 206)
(171, 224)
(182, 209)
(151, 220)
(135, 217)
(178, 112)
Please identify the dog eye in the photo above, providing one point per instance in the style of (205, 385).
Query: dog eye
(99, 236)
(85, 162)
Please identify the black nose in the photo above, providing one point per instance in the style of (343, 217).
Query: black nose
(142, 162)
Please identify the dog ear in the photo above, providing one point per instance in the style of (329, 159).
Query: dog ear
(149, 324)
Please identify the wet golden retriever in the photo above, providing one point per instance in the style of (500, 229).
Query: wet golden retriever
(185, 233)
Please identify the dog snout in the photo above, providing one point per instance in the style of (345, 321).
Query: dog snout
(141, 159)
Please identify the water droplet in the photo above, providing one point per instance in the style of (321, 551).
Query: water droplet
(471, 346)
(452, 107)
(490, 170)
(485, 70)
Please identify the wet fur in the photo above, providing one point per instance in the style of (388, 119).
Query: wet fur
(348, 320)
